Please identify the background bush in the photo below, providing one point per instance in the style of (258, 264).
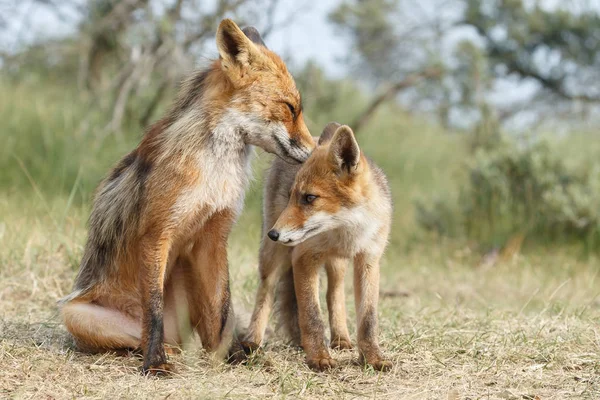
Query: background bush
(513, 186)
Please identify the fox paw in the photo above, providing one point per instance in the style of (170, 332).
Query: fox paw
(321, 363)
(250, 347)
(127, 352)
(380, 364)
(237, 354)
(172, 350)
(164, 369)
(341, 344)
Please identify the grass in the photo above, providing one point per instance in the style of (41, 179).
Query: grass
(455, 328)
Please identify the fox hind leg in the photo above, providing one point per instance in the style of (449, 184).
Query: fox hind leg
(211, 311)
(96, 328)
(287, 307)
(273, 260)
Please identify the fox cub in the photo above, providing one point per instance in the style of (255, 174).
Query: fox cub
(156, 254)
(334, 208)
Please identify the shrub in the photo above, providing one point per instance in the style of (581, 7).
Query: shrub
(513, 188)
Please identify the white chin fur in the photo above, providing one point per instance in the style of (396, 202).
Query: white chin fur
(318, 223)
(272, 137)
(286, 150)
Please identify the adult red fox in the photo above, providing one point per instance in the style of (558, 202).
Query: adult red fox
(160, 221)
(334, 208)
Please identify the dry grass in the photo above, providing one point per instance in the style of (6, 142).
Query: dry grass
(524, 329)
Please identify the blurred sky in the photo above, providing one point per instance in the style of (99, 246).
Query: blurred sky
(311, 36)
(308, 36)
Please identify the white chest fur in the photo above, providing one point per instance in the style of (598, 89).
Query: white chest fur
(357, 231)
(224, 170)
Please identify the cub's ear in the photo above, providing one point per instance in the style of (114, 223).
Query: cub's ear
(235, 48)
(344, 150)
(328, 132)
(253, 34)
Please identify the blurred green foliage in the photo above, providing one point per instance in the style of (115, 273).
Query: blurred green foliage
(519, 187)
(484, 186)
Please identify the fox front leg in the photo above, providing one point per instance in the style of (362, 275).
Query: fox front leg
(153, 277)
(312, 331)
(366, 297)
(336, 303)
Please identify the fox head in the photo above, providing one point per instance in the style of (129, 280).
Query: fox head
(327, 190)
(266, 106)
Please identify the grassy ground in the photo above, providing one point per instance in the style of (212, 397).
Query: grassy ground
(523, 328)
(454, 329)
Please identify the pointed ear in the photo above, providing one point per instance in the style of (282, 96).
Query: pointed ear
(328, 132)
(253, 34)
(234, 46)
(344, 150)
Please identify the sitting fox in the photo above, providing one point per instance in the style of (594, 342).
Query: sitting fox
(156, 252)
(334, 208)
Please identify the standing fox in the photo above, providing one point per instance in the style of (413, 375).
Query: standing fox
(160, 221)
(334, 208)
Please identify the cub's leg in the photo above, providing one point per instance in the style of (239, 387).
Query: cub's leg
(211, 311)
(366, 296)
(336, 303)
(273, 260)
(306, 282)
(288, 307)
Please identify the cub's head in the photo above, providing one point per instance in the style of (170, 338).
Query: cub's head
(266, 104)
(327, 190)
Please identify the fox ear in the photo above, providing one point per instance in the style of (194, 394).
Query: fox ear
(328, 132)
(253, 34)
(344, 149)
(235, 48)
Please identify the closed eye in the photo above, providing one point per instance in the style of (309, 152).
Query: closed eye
(292, 109)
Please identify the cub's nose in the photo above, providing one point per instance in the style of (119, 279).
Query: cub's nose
(273, 235)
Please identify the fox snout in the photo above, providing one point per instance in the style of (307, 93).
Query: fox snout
(284, 234)
(298, 148)
(277, 236)
(273, 235)
(291, 234)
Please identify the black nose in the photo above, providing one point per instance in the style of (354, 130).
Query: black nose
(273, 235)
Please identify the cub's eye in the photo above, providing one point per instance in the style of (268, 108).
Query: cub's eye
(292, 109)
(308, 198)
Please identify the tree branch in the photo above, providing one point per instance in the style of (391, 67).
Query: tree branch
(209, 21)
(391, 92)
(554, 85)
(508, 58)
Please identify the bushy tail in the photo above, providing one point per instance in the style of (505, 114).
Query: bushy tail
(113, 220)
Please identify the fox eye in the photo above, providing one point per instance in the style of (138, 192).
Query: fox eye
(292, 110)
(308, 198)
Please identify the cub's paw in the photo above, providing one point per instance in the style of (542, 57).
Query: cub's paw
(341, 344)
(237, 354)
(250, 347)
(164, 369)
(321, 363)
(172, 350)
(380, 364)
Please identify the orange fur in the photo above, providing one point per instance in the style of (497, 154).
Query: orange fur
(335, 208)
(156, 253)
